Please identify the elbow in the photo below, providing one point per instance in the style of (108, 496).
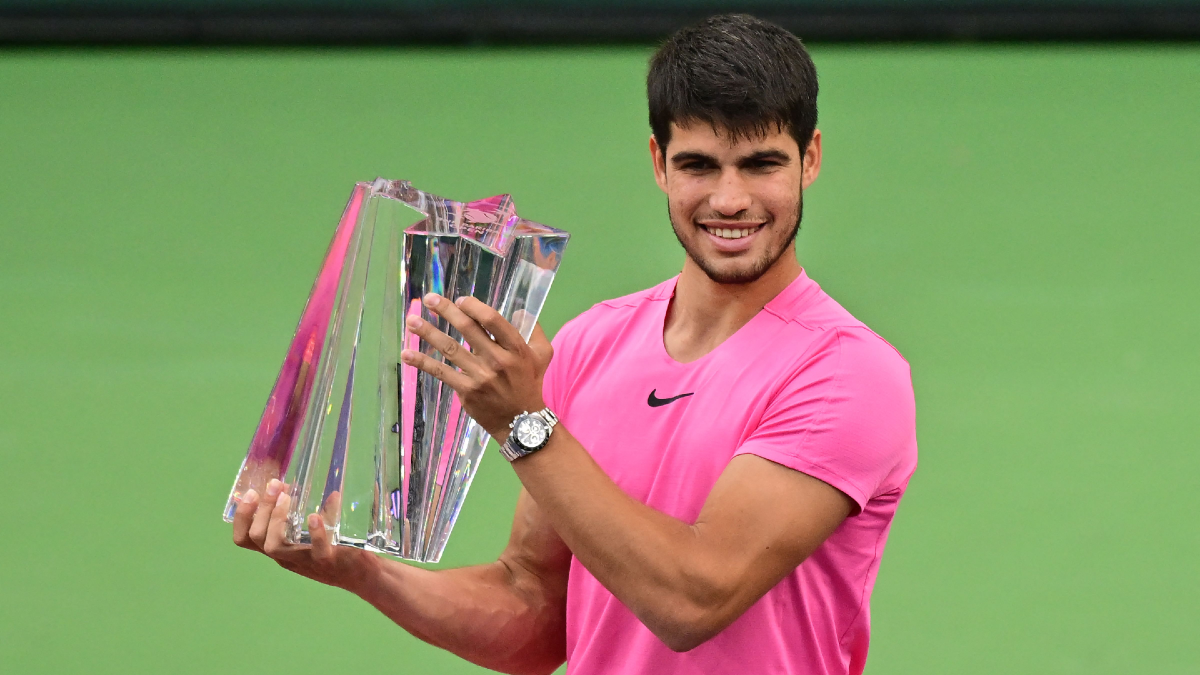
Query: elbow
(688, 626)
(684, 643)
(685, 638)
(702, 602)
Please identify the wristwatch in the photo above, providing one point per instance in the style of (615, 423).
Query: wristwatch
(530, 433)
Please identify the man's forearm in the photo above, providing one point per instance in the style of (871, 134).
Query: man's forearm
(486, 614)
(655, 564)
(685, 581)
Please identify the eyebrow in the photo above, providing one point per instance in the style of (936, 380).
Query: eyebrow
(777, 155)
(693, 156)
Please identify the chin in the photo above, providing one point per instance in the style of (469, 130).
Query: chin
(745, 268)
(733, 274)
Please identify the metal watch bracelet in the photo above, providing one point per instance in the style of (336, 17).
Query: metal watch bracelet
(513, 449)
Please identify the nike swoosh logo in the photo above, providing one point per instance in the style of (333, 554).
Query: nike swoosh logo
(655, 401)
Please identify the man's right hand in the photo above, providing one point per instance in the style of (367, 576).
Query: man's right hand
(259, 525)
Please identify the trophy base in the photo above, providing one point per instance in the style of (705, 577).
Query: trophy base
(375, 544)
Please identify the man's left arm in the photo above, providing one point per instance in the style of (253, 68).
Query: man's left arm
(685, 582)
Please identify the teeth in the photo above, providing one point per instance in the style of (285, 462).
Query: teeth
(727, 233)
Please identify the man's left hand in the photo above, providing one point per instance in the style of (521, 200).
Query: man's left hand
(499, 377)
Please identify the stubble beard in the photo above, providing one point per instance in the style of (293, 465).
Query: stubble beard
(756, 270)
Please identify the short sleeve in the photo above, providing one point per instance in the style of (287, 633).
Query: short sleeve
(556, 379)
(846, 416)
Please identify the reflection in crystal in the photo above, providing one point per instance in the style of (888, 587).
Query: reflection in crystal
(401, 442)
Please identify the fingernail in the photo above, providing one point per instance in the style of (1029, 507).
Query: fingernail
(413, 321)
(250, 497)
(460, 301)
(430, 299)
(408, 355)
(313, 521)
(273, 487)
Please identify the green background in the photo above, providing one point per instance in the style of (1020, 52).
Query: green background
(1021, 222)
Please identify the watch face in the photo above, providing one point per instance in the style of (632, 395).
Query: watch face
(531, 431)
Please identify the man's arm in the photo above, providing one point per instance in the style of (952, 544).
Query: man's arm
(509, 615)
(685, 581)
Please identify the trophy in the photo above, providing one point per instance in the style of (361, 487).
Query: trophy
(382, 451)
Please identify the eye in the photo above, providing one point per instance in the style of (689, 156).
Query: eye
(762, 164)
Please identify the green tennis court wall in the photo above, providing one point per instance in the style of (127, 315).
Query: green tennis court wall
(1018, 221)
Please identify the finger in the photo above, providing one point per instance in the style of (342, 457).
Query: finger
(504, 333)
(541, 347)
(322, 547)
(448, 346)
(471, 331)
(242, 518)
(457, 381)
(262, 516)
(322, 540)
(275, 542)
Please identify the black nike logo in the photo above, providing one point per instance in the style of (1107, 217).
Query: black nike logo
(655, 401)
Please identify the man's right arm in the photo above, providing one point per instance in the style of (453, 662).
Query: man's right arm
(509, 615)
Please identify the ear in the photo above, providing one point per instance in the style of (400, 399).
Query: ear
(659, 160)
(812, 160)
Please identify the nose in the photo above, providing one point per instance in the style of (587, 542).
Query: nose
(730, 197)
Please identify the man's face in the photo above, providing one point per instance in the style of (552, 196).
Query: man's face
(734, 204)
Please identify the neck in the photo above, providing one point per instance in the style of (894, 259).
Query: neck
(704, 313)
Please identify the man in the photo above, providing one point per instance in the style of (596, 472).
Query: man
(730, 447)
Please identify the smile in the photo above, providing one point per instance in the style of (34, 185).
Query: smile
(731, 233)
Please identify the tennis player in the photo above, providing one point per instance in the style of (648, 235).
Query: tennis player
(710, 466)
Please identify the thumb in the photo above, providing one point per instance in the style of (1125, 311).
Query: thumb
(542, 349)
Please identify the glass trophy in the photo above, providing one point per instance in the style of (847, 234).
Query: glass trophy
(382, 451)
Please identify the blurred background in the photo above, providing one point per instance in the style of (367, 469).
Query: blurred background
(1009, 195)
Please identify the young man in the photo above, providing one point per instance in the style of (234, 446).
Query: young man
(730, 446)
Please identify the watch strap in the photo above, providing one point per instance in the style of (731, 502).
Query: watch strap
(512, 449)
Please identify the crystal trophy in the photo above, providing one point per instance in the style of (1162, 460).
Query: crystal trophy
(382, 451)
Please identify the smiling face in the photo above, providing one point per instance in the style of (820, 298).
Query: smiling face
(735, 203)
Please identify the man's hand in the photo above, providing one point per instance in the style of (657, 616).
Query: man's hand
(259, 525)
(499, 377)
(509, 615)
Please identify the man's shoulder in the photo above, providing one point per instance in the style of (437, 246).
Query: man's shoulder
(659, 291)
(608, 315)
(830, 326)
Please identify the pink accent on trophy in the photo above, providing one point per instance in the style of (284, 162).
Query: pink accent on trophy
(284, 414)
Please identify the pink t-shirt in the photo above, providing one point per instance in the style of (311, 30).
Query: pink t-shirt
(803, 384)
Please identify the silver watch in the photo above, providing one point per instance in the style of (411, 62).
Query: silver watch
(530, 433)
